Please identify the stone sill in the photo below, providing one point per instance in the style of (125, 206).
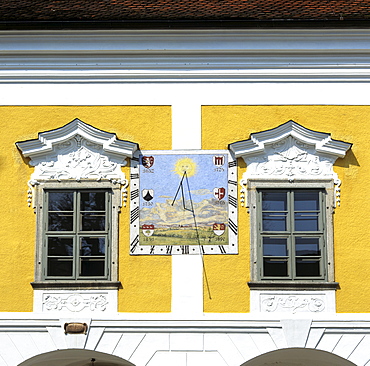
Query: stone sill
(76, 285)
(293, 285)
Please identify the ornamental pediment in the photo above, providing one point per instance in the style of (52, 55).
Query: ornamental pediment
(77, 151)
(290, 151)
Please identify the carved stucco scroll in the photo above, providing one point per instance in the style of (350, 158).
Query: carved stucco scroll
(290, 152)
(75, 302)
(77, 151)
(293, 303)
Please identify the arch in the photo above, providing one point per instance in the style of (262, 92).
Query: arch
(298, 357)
(75, 357)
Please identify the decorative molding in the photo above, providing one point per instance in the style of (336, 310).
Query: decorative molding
(279, 55)
(77, 151)
(290, 152)
(292, 301)
(74, 302)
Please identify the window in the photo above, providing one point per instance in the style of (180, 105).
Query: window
(291, 229)
(77, 234)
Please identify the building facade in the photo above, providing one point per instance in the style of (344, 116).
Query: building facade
(184, 197)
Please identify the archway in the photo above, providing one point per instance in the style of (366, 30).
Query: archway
(75, 357)
(298, 357)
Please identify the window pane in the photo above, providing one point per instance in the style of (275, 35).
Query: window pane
(92, 201)
(60, 267)
(92, 246)
(275, 247)
(274, 201)
(60, 246)
(60, 221)
(307, 267)
(307, 246)
(273, 221)
(60, 201)
(275, 267)
(306, 201)
(92, 222)
(304, 221)
(92, 267)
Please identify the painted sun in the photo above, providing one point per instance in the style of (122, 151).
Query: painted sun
(185, 165)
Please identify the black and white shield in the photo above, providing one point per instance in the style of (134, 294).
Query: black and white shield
(147, 194)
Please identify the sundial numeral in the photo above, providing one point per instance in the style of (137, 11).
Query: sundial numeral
(202, 249)
(134, 176)
(233, 202)
(233, 226)
(134, 194)
(169, 249)
(134, 214)
(232, 163)
(152, 249)
(222, 249)
(233, 182)
(134, 244)
(185, 249)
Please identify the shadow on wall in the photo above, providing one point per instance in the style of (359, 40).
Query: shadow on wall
(298, 357)
(75, 357)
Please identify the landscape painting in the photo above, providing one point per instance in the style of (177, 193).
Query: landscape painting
(183, 199)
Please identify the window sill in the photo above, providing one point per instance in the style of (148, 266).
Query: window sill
(76, 285)
(293, 285)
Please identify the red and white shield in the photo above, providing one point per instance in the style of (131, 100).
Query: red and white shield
(148, 230)
(219, 193)
(219, 160)
(218, 229)
(147, 161)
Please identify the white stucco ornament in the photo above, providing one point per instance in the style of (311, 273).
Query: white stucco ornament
(290, 152)
(77, 151)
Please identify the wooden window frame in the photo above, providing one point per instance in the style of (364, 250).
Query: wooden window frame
(327, 187)
(109, 281)
(76, 235)
(290, 234)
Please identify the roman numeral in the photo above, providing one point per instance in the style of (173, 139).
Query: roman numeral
(134, 214)
(222, 249)
(134, 194)
(184, 249)
(202, 249)
(233, 202)
(169, 249)
(134, 244)
(232, 163)
(233, 182)
(233, 227)
(152, 249)
(134, 176)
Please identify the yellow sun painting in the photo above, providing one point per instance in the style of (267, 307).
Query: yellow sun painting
(185, 165)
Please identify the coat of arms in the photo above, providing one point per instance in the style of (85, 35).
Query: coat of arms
(147, 161)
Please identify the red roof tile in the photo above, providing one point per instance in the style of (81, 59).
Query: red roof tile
(183, 10)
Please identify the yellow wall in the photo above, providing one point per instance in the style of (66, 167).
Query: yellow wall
(145, 280)
(228, 275)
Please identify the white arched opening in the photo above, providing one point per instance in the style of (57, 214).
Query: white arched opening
(75, 357)
(298, 357)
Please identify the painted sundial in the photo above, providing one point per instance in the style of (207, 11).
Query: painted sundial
(183, 203)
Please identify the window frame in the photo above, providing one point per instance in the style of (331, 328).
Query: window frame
(289, 235)
(41, 211)
(76, 234)
(253, 189)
